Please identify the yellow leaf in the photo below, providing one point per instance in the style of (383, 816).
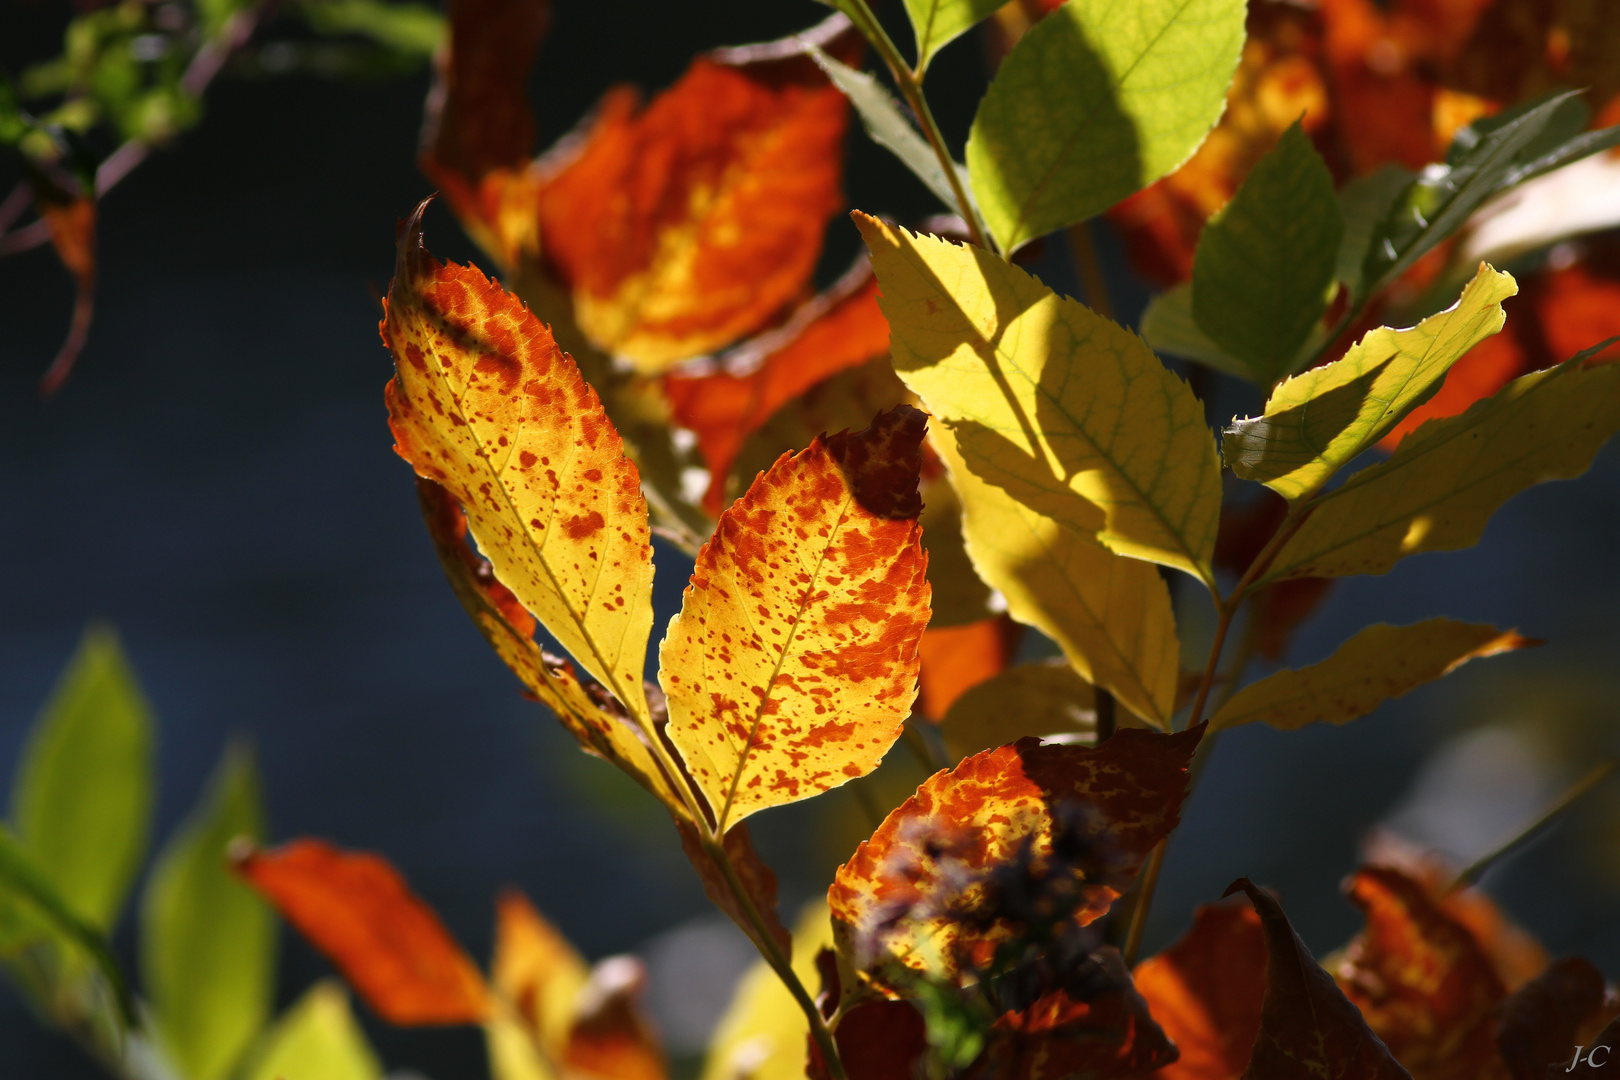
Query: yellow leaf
(1045, 699)
(1110, 615)
(763, 1034)
(1069, 412)
(1379, 663)
(1441, 486)
(1317, 422)
(484, 403)
(317, 1039)
(793, 663)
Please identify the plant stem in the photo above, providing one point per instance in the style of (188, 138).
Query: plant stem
(1592, 779)
(1144, 901)
(1105, 715)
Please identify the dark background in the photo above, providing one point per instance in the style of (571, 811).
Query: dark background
(217, 481)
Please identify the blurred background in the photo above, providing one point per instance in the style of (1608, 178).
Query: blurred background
(217, 481)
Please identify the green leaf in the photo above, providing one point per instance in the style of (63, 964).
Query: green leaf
(1096, 101)
(411, 29)
(207, 940)
(1449, 476)
(1381, 662)
(1169, 327)
(1365, 202)
(83, 798)
(1317, 422)
(1047, 698)
(1070, 413)
(1266, 260)
(936, 23)
(317, 1039)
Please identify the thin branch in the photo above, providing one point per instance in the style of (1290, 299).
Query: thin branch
(1144, 901)
(1592, 779)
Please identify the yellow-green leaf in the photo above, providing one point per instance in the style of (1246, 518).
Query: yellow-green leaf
(1045, 699)
(763, 1034)
(936, 23)
(1317, 422)
(1448, 477)
(484, 403)
(1379, 663)
(1069, 412)
(1110, 615)
(317, 1039)
(793, 663)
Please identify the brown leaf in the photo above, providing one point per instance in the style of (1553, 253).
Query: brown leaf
(955, 659)
(918, 886)
(877, 1040)
(755, 875)
(1543, 1019)
(611, 1039)
(356, 909)
(1308, 1029)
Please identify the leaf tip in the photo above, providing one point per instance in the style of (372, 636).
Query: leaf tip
(884, 461)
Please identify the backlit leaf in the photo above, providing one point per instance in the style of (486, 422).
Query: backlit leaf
(1542, 1019)
(1440, 488)
(684, 226)
(936, 23)
(537, 971)
(763, 1033)
(1110, 615)
(957, 658)
(485, 404)
(317, 1039)
(793, 662)
(877, 1040)
(1381, 662)
(755, 876)
(1266, 260)
(1307, 1026)
(208, 944)
(1317, 422)
(908, 894)
(1040, 699)
(359, 912)
(1097, 100)
(82, 801)
(1069, 412)
(961, 598)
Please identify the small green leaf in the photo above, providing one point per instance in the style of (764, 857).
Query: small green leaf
(317, 1039)
(207, 940)
(1169, 327)
(1317, 422)
(83, 799)
(407, 28)
(1365, 202)
(1096, 101)
(936, 23)
(1265, 261)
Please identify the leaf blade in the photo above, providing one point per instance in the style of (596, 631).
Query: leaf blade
(317, 1039)
(936, 23)
(1041, 699)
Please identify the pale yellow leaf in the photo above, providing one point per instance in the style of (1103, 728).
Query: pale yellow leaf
(763, 1034)
(317, 1039)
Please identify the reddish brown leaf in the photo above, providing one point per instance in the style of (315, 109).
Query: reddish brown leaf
(1579, 306)
(755, 875)
(1421, 981)
(877, 1040)
(611, 1039)
(1206, 991)
(1308, 1029)
(72, 222)
(1544, 1018)
(955, 659)
(356, 909)
(918, 888)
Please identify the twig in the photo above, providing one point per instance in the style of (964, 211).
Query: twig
(1089, 268)
(1144, 901)
(1105, 714)
(1592, 779)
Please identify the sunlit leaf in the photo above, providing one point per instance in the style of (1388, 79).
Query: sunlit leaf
(1266, 260)
(485, 404)
(914, 894)
(763, 1033)
(1095, 101)
(1316, 423)
(358, 911)
(1541, 1020)
(208, 944)
(1449, 476)
(1069, 412)
(1365, 202)
(539, 975)
(1482, 371)
(936, 23)
(82, 802)
(1381, 662)
(793, 662)
(957, 658)
(755, 876)
(1205, 991)
(960, 598)
(688, 224)
(1030, 699)
(1307, 1026)
(1110, 615)
(317, 1039)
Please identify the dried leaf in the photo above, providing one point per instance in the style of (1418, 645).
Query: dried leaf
(753, 873)
(877, 1040)
(359, 912)
(912, 894)
(793, 662)
(957, 658)
(1040, 699)
(1381, 662)
(1544, 1017)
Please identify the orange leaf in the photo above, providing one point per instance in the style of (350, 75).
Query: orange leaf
(1307, 1026)
(71, 219)
(839, 329)
(756, 876)
(356, 909)
(793, 663)
(1206, 992)
(536, 970)
(918, 886)
(1421, 981)
(1579, 307)
(955, 659)
(687, 225)
(1546, 1016)
(611, 1039)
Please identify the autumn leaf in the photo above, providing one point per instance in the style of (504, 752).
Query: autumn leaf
(1379, 663)
(915, 896)
(536, 969)
(957, 658)
(684, 226)
(1421, 981)
(1206, 991)
(1541, 1020)
(757, 879)
(1580, 304)
(359, 912)
(1041, 699)
(763, 1033)
(877, 1040)
(1070, 413)
(610, 1038)
(1316, 423)
(1307, 1026)
(485, 404)
(793, 662)
(71, 219)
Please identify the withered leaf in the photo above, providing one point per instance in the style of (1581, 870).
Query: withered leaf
(1542, 1019)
